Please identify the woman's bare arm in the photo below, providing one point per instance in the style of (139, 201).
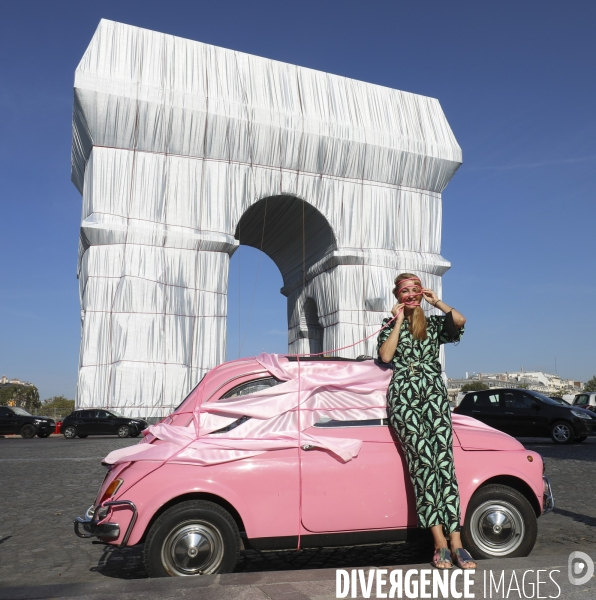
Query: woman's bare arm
(387, 349)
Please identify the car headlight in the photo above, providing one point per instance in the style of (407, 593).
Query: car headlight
(37, 421)
(581, 415)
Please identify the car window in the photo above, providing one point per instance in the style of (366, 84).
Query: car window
(485, 400)
(19, 411)
(103, 414)
(88, 414)
(231, 425)
(5, 412)
(361, 423)
(251, 387)
(524, 401)
(581, 400)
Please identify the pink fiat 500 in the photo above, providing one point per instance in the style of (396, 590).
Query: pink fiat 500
(272, 453)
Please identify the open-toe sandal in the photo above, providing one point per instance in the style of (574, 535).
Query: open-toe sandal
(461, 557)
(442, 555)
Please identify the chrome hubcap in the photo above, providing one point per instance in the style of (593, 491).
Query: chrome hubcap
(193, 548)
(497, 528)
(561, 433)
(123, 431)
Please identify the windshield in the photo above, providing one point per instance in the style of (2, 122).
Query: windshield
(19, 411)
(544, 398)
(117, 414)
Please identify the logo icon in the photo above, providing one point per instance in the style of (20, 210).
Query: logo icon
(580, 568)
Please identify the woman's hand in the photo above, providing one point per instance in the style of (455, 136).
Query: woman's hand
(430, 296)
(398, 311)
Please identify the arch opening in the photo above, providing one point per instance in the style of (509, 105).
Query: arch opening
(292, 232)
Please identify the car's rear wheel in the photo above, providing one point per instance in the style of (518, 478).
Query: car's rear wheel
(500, 523)
(43, 435)
(28, 431)
(562, 433)
(123, 431)
(192, 538)
(69, 432)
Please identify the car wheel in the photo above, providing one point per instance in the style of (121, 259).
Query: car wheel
(28, 431)
(562, 433)
(123, 431)
(581, 438)
(43, 435)
(500, 523)
(83, 435)
(70, 432)
(192, 538)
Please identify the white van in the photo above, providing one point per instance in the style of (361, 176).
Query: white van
(585, 400)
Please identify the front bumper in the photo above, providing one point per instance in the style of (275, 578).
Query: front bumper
(106, 531)
(548, 500)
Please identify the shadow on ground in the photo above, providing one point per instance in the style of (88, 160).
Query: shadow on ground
(127, 563)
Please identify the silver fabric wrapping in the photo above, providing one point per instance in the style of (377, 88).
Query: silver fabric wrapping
(183, 150)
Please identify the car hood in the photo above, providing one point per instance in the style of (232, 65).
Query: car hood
(475, 435)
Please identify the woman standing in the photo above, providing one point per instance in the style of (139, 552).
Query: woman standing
(418, 411)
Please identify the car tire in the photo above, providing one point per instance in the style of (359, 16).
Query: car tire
(82, 435)
(70, 432)
(500, 523)
(581, 438)
(192, 538)
(43, 435)
(123, 431)
(562, 433)
(28, 431)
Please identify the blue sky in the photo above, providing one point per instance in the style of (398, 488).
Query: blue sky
(515, 79)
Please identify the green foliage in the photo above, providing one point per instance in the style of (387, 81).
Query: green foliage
(590, 385)
(61, 403)
(523, 386)
(23, 396)
(474, 386)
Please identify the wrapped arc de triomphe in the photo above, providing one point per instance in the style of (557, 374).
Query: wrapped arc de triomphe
(183, 150)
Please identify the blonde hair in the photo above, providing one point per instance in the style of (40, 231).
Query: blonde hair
(418, 321)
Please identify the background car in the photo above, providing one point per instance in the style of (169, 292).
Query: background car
(586, 400)
(525, 413)
(195, 512)
(17, 421)
(99, 421)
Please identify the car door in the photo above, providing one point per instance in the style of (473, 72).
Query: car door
(85, 422)
(105, 423)
(371, 491)
(488, 409)
(520, 413)
(6, 420)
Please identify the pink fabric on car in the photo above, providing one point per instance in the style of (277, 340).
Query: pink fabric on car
(344, 391)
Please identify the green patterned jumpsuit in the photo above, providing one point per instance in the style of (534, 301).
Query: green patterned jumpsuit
(418, 411)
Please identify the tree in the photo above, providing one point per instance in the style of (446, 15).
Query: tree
(23, 396)
(60, 403)
(522, 386)
(590, 385)
(474, 386)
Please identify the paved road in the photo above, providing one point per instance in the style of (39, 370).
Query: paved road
(45, 483)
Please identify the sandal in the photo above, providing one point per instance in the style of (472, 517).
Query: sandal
(461, 557)
(442, 555)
